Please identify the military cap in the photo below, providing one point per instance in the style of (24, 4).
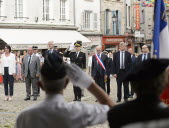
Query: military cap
(105, 52)
(147, 70)
(55, 46)
(78, 44)
(34, 47)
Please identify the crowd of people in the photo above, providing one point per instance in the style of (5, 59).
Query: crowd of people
(148, 78)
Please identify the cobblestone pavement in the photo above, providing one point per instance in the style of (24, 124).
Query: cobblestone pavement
(10, 109)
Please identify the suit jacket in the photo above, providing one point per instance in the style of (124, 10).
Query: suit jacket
(139, 58)
(116, 62)
(79, 60)
(139, 110)
(133, 61)
(34, 66)
(47, 52)
(99, 69)
(109, 66)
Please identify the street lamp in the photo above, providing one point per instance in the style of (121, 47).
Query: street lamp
(114, 18)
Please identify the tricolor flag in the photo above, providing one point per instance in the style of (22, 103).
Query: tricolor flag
(161, 35)
(161, 38)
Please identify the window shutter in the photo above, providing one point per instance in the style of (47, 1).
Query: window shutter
(114, 23)
(95, 21)
(83, 21)
(119, 22)
(67, 10)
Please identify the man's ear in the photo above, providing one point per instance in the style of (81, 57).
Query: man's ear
(40, 84)
(66, 83)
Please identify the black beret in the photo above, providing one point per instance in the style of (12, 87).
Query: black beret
(34, 47)
(78, 44)
(54, 67)
(148, 69)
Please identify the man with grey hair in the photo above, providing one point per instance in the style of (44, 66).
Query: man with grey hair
(99, 66)
(121, 65)
(30, 71)
(145, 54)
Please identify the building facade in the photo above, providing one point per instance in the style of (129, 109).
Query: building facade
(40, 15)
(113, 24)
(87, 19)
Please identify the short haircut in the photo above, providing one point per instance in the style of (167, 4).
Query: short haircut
(8, 47)
(122, 43)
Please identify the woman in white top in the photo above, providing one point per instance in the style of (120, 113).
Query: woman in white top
(8, 70)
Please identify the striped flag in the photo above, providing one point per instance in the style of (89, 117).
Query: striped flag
(161, 38)
(161, 35)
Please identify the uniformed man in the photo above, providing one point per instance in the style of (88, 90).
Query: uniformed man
(79, 58)
(35, 51)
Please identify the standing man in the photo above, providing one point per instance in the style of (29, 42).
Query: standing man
(51, 49)
(31, 68)
(79, 58)
(99, 66)
(145, 55)
(35, 51)
(133, 62)
(121, 65)
(109, 71)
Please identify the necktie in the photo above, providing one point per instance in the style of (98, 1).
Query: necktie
(144, 57)
(29, 64)
(122, 65)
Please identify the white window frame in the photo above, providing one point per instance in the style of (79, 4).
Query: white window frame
(46, 10)
(19, 13)
(63, 10)
(87, 20)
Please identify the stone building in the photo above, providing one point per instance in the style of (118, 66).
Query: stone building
(35, 22)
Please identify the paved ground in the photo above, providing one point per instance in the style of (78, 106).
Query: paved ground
(10, 109)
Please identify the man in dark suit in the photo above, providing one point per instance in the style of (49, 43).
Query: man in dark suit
(79, 58)
(99, 72)
(50, 50)
(133, 63)
(145, 55)
(149, 81)
(109, 70)
(121, 65)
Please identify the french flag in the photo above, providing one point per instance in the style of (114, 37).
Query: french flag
(161, 38)
(161, 35)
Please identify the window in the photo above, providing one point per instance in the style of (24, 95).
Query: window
(107, 21)
(0, 8)
(62, 10)
(116, 19)
(46, 10)
(95, 21)
(19, 9)
(86, 19)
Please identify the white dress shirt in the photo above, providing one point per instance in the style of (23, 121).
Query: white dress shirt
(6, 61)
(122, 60)
(55, 112)
(146, 54)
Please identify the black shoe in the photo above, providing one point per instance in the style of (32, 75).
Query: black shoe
(35, 98)
(75, 99)
(79, 100)
(125, 100)
(118, 101)
(27, 98)
(96, 100)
